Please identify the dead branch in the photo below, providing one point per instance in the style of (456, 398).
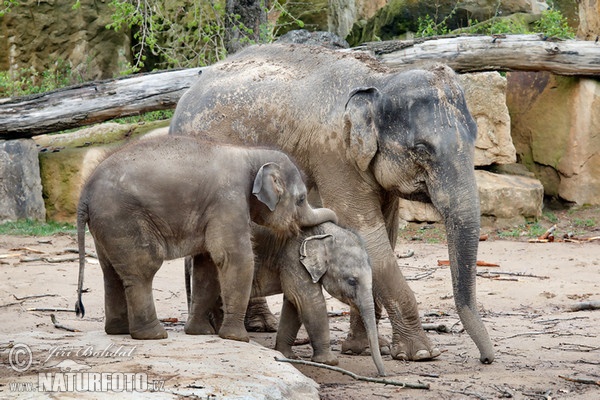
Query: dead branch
(29, 249)
(580, 380)
(58, 325)
(528, 334)
(76, 251)
(585, 305)
(51, 309)
(436, 327)
(355, 376)
(35, 296)
(495, 277)
(522, 274)
(420, 276)
(445, 263)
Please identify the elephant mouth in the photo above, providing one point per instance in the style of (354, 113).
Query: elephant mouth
(421, 197)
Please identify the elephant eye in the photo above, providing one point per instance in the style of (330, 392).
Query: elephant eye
(353, 282)
(301, 200)
(422, 148)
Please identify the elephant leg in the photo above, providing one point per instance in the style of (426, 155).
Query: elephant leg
(259, 317)
(409, 341)
(116, 321)
(289, 326)
(305, 302)
(143, 322)
(231, 251)
(204, 296)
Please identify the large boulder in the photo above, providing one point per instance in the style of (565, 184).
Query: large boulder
(46, 34)
(503, 199)
(589, 20)
(555, 125)
(67, 159)
(485, 94)
(20, 186)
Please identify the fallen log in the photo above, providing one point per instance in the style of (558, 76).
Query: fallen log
(92, 102)
(99, 101)
(493, 53)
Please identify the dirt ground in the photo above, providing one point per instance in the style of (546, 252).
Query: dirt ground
(543, 349)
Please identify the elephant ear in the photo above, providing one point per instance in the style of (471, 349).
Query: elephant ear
(268, 185)
(360, 126)
(316, 253)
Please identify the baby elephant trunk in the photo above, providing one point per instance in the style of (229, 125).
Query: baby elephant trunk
(367, 312)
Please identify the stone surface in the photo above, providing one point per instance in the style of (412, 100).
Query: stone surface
(555, 125)
(20, 185)
(504, 199)
(486, 98)
(509, 197)
(589, 20)
(67, 159)
(38, 34)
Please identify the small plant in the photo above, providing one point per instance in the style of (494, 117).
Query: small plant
(29, 227)
(584, 223)
(554, 24)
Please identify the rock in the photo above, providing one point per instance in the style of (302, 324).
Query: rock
(589, 20)
(509, 197)
(486, 99)
(44, 34)
(67, 159)
(342, 14)
(504, 199)
(555, 125)
(325, 39)
(20, 185)
(399, 18)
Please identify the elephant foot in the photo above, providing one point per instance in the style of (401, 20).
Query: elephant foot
(152, 331)
(259, 317)
(417, 349)
(198, 328)
(116, 328)
(327, 358)
(232, 333)
(360, 347)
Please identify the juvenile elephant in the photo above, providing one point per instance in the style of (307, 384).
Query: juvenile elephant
(365, 136)
(325, 255)
(170, 197)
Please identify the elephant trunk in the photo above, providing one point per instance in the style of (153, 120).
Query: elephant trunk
(314, 216)
(367, 312)
(461, 214)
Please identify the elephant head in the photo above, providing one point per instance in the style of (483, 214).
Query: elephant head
(416, 136)
(280, 188)
(342, 266)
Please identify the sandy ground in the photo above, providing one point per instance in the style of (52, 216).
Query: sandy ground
(541, 347)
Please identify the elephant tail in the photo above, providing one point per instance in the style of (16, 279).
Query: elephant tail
(82, 220)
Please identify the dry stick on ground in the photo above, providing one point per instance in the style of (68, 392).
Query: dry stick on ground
(35, 296)
(58, 325)
(586, 305)
(580, 380)
(523, 274)
(51, 309)
(355, 376)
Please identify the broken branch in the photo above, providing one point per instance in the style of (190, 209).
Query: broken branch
(586, 305)
(355, 376)
(580, 380)
(444, 263)
(58, 325)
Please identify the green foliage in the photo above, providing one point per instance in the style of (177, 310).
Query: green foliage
(36, 228)
(7, 5)
(28, 81)
(146, 117)
(584, 223)
(170, 35)
(551, 24)
(554, 24)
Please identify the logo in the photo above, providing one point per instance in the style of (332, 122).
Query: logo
(20, 357)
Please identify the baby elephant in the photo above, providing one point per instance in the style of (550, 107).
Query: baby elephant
(169, 197)
(325, 255)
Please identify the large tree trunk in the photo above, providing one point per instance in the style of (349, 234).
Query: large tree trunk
(100, 101)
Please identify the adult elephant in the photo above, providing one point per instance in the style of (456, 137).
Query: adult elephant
(364, 135)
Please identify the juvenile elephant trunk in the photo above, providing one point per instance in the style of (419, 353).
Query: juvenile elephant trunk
(367, 312)
(314, 216)
(461, 214)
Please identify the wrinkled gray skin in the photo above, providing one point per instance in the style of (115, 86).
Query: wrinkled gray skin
(364, 136)
(325, 255)
(170, 197)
